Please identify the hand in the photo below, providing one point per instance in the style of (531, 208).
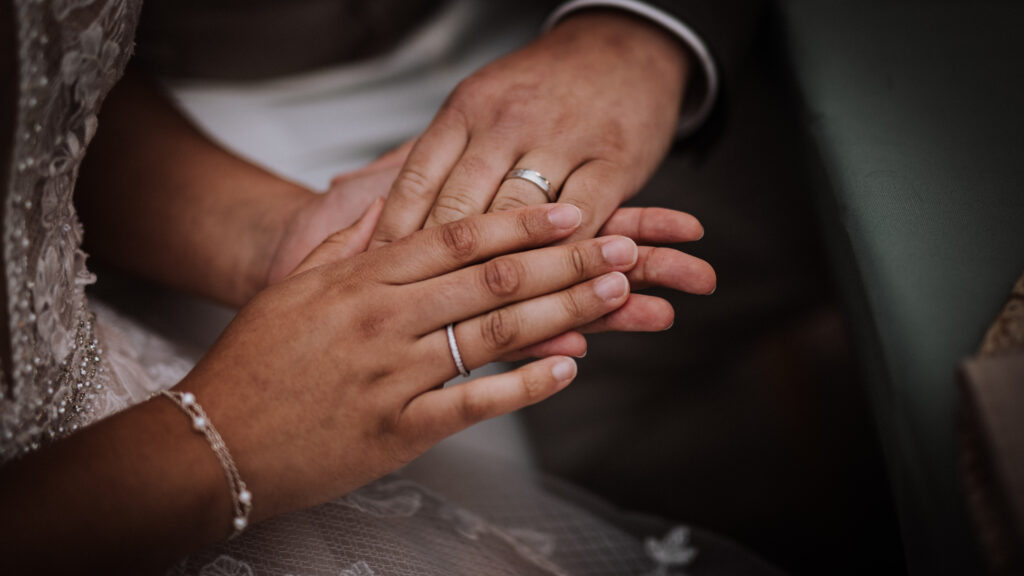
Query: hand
(656, 266)
(592, 105)
(330, 378)
(321, 215)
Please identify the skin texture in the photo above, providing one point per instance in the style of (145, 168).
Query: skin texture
(591, 105)
(329, 376)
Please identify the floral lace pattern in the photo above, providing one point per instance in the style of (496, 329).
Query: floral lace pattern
(70, 53)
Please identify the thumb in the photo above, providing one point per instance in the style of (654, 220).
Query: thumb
(344, 243)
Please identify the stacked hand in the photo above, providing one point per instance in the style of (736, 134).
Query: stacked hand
(342, 357)
(329, 379)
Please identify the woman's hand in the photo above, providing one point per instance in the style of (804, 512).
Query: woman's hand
(656, 266)
(330, 378)
(591, 105)
(321, 215)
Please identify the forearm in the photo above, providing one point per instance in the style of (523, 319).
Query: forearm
(161, 200)
(130, 494)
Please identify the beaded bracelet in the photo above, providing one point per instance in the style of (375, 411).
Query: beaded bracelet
(240, 496)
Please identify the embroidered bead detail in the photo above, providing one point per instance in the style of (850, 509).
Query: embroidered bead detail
(70, 53)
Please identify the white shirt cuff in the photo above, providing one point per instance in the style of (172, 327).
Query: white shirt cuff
(694, 113)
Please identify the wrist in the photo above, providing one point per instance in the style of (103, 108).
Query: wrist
(630, 37)
(277, 215)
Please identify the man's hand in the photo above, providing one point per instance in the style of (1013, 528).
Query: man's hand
(592, 105)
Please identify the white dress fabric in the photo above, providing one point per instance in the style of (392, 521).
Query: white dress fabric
(71, 362)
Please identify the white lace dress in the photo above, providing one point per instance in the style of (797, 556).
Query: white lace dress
(67, 362)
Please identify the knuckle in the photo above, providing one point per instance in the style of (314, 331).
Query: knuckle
(517, 105)
(451, 114)
(527, 225)
(534, 388)
(472, 408)
(574, 306)
(412, 182)
(453, 205)
(507, 202)
(459, 239)
(466, 93)
(512, 114)
(576, 260)
(475, 166)
(587, 187)
(499, 329)
(612, 137)
(503, 276)
(646, 270)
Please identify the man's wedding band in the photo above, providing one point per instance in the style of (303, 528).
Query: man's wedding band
(454, 347)
(533, 177)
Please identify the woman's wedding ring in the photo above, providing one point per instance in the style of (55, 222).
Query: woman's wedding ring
(533, 177)
(454, 347)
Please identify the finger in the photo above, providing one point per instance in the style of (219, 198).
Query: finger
(442, 412)
(344, 243)
(597, 187)
(446, 248)
(653, 225)
(516, 192)
(484, 338)
(568, 344)
(472, 182)
(641, 313)
(514, 277)
(421, 177)
(668, 268)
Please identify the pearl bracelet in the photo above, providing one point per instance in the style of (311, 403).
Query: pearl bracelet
(240, 496)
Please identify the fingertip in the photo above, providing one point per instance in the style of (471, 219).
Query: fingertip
(374, 209)
(564, 370)
(669, 317)
(620, 251)
(586, 348)
(703, 278)
(565, 216)
(713, 281)
(612, 286)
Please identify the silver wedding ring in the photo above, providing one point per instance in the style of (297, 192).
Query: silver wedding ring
(533, 177)
(454, 347)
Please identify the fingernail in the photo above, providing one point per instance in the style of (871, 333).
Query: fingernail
(611, 286)
(564, 369)
(619, 252)
(584, 355)
(712, 291)
(565, 216)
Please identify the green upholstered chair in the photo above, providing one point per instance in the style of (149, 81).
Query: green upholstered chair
(915, 112)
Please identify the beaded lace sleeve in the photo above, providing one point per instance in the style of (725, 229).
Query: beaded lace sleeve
(69, 54)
